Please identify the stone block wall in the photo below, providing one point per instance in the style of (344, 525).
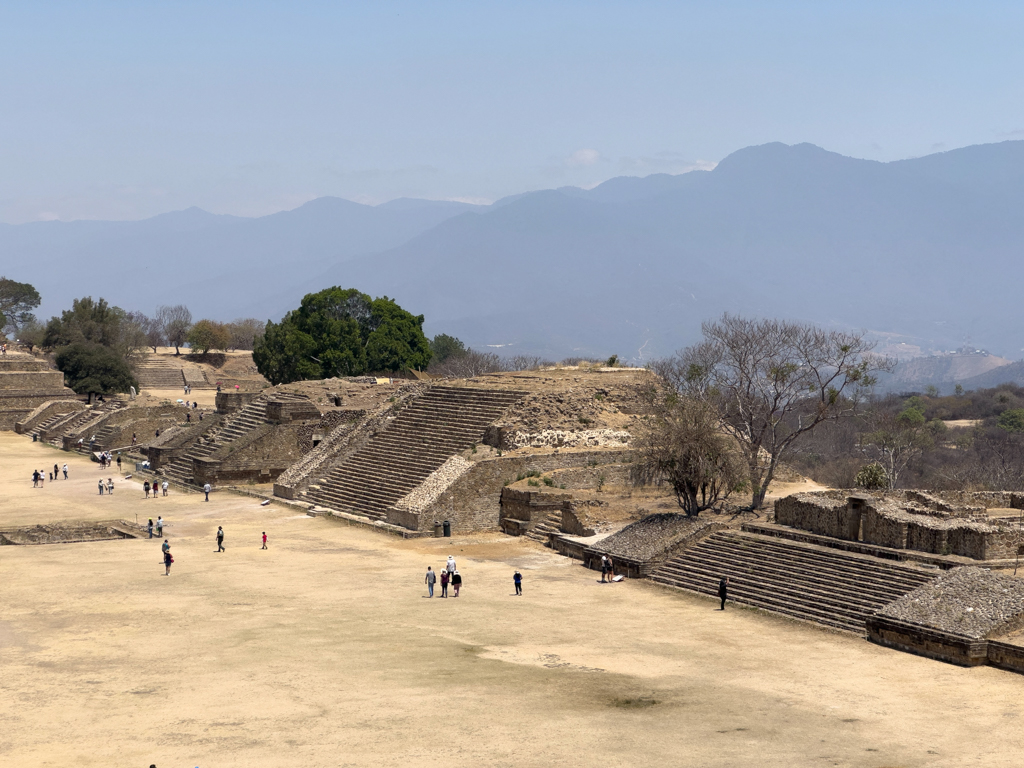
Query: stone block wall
(928, 535)
(825, 516)
(884, 527)
(229, 402)
(473, 502)
(591, 478)
(45, 411)
(288, 411)
(523, 510)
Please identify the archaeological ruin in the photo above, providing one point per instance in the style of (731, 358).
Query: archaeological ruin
(546, 455)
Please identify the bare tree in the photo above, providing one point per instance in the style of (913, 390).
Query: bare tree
(469, 364)
(898, 439)
(176, 322)
(772, 381)
(244, 331)
(682, 443)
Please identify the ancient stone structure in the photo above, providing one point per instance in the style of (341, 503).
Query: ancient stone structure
(26, 383)
(907, 520)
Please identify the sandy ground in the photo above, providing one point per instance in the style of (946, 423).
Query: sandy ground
(324, 651)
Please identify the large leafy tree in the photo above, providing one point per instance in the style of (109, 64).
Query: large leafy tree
(92, 369)
(88, 321)
(17, 300)
(340, 332)
(208, 334)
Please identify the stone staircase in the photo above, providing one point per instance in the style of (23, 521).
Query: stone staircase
(155, 372)
(438, 424)
(550, 524)
(49, 423)
(804, 581)
(248, 418)
(79, 423)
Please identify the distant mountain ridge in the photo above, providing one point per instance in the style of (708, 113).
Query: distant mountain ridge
(929, 248)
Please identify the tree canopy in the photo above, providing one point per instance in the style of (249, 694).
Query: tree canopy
(175, 322)
(92, 369)
(17, 300)
(92, 321)
(208, 334)
(341, 332)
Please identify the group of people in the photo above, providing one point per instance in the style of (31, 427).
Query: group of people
(109, 486)
(449, 576)
(39, 476)
(159, 525)
(107, 460)
(156, 488)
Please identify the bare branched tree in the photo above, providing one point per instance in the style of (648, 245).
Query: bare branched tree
(681, 442)
(176, 322)
(772, 381)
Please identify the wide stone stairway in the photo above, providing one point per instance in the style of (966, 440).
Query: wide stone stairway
(250, 417)
(439, 424)
(805, 581)
(156, 372)
(80, 422)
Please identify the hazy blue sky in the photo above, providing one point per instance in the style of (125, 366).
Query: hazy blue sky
(125, 110)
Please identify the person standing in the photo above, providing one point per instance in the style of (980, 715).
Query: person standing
(206, 490)
(35, 478)
(163, 487)
(264, 540)
(429, 580)
(56, 473)
(101, 486)
(119, 462)
(167, 559)
(450, 566)
(456, 582)
(166, 546)
(517, 579)
(110, 486)
(220, 539)
(604, 568)
(65, 471)
(145, 487)
(444, 583)
(150, 527)
(723, 591)
(159, 526)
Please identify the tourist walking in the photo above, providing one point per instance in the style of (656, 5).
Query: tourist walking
(101, 486)
(110, 486)
(517, 579)
(163, 487)
(723, 591)
(119, 462)
(456, 582)
(206, 490)
(35, 478)
(65, 471)
(445, 578)
(167, 560)
(159, 526)
(150, 527)
(450, 566)
(264, 540)
(145, 487)
(220, 539)
(430, 580)
(166, 546)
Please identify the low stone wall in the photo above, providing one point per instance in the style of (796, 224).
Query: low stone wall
(558, 438)
(473, 503)
(982, 542)
(828, 517)
(31, 380)
(521, 511)
(942, 646)
(592, 478)
(288, 411)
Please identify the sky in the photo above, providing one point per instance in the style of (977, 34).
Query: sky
(124, 110)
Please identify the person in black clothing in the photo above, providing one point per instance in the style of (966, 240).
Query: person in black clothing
(723, 590)
(220, 538)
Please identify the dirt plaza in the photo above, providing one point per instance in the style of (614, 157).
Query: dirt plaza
(324, 651)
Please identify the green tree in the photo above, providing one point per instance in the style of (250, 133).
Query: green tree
(17, 300)
(443, 346)
(32, 334)
(396, 341)
(208, 334)
(340, 332)
(92, 369)
(87, 322)
(1012, 420)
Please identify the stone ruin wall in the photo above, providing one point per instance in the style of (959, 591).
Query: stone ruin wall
(901, 521)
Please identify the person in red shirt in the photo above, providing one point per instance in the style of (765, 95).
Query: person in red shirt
(264, 540)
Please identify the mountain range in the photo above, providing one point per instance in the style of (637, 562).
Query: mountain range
(926, 249)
